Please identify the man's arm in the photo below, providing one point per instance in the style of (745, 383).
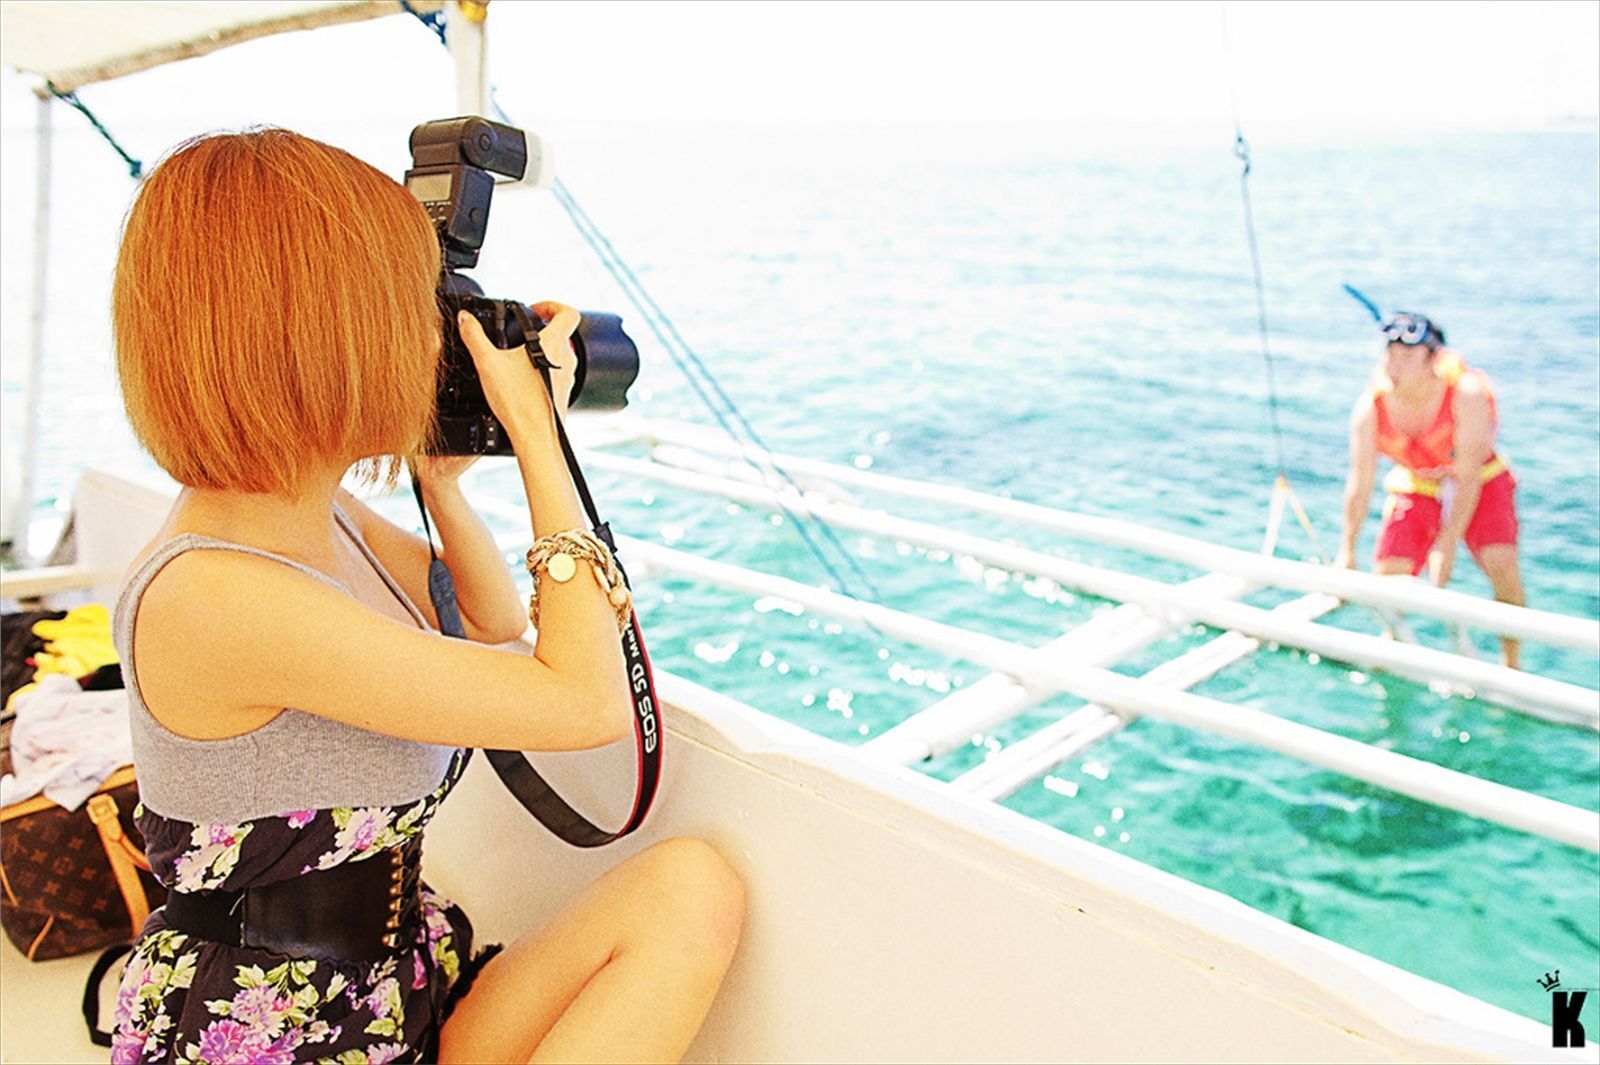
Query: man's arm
(1358, 484)
(1474, 444)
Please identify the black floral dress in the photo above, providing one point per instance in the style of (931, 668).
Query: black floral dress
(184, 999)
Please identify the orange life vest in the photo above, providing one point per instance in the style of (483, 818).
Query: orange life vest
(1424, 460)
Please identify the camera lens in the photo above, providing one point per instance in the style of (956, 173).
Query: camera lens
(608, 363)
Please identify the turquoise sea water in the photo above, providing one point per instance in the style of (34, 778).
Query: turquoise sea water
(1009, 310)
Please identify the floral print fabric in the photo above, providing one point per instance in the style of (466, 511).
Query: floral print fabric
(186, 1000)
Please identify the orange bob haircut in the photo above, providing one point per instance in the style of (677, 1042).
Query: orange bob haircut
(274, 314)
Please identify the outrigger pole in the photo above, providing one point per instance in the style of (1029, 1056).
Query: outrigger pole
(1019, 764)
(1078, 661)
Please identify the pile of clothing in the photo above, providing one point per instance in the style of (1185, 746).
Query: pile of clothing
(64, 729)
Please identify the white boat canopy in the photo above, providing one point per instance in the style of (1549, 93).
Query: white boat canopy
(72, 45)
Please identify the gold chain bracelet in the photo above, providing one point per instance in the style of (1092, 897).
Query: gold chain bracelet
(558, 556)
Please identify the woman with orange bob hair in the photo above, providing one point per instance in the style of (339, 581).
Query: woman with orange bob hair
(297, 715)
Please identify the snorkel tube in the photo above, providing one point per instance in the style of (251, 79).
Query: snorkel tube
(1360, 297)
(1402, 327)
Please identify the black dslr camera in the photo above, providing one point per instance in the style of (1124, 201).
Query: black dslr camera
(451, 164)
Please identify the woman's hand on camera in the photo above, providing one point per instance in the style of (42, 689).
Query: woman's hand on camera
(555, 340)
(511, 384)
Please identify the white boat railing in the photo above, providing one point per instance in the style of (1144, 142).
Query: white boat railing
(1074, 662)
(48, 580)
(1352, 586)
(1545, 697)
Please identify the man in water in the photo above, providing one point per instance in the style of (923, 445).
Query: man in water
(1435, 417)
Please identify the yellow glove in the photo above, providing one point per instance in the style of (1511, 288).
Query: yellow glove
(84, 620)
(79, 643)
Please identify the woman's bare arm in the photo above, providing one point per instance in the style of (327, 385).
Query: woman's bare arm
(492, 611)
(250, 635)
(578, 627)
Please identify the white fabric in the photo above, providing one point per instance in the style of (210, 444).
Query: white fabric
(66, 742)
(77, 43)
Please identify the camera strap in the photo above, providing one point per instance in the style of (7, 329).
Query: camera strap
(515, 771)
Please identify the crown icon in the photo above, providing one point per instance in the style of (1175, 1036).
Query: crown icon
(1550, 982)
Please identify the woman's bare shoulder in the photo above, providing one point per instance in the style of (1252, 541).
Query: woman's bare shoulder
(183, 604)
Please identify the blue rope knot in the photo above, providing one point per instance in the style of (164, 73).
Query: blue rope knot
(1241, 151)
(135, 167)
(434, 20)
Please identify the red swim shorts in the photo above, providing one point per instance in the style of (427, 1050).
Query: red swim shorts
(1411, 522)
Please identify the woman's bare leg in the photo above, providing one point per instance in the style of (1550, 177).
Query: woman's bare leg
(627, 972)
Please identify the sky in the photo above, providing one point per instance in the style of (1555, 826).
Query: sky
(1450, 63)
(1153, 68)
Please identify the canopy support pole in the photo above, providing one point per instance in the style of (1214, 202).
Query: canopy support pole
(464, 31)
(18, 517)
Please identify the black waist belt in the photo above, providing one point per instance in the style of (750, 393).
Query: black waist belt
(358, 911)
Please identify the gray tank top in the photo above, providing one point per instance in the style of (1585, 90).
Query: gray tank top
(296, 761)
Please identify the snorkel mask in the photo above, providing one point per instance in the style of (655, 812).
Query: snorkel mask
(1411, 330)
(1402, 327)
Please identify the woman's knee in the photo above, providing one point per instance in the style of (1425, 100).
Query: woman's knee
(701, 888)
